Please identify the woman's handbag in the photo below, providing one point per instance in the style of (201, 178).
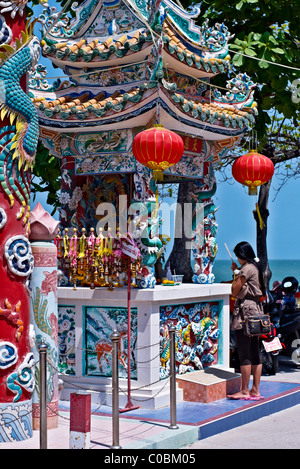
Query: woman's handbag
(257, 325)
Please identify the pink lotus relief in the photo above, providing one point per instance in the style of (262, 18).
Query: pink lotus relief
(43, 227)
(49, 284)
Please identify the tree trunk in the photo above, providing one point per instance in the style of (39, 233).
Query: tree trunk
(180, 257)
(261, 230)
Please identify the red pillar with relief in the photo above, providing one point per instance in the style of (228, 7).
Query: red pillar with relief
(18, 141)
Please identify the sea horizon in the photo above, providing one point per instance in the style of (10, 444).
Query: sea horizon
(285, 259)
(280, 269)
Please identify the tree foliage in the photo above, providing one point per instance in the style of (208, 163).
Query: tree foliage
(46, 176)
(266, 33)
(266, 47)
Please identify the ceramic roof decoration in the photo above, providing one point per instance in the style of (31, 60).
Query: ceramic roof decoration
(112, 48)
(89, 109)
(98, 19)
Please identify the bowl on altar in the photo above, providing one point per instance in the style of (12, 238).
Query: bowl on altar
(177, 279)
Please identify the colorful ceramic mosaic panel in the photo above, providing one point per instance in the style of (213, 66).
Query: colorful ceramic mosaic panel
(197, 334)
(66, 339)
(100, 322)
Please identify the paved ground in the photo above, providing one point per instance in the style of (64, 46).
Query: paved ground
(276, 431)
(280, 430)
(142, 429)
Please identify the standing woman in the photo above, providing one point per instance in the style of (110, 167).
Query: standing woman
(248, 287)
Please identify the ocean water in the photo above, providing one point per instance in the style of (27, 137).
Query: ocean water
(279, 268)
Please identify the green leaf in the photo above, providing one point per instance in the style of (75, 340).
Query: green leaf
(250, 52)
(265, 36)
(272, 39)
(239, 5)
(263, 64)
(256, 36)
(240, 42)
(278, 50)
(237, 60)
(288, 55)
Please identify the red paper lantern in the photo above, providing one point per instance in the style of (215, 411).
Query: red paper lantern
(158, 149)
(253, 170)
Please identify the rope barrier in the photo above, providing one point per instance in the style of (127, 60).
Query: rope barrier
(154, 395)
(78, 386)
(115, 410)
(264, 60)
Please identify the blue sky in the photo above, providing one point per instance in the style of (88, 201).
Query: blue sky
(236, 222)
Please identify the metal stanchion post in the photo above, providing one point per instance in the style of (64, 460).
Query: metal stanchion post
(115, 389)
(173, 425)
(43, 394)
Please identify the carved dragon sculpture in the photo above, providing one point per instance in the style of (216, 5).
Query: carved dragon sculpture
(149, 243)
(19, 139)
(204, 243)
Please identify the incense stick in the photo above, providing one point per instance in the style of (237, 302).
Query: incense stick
(228, 251)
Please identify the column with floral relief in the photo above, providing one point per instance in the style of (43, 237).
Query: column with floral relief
(44, 308)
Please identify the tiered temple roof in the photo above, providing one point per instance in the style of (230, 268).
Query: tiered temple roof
(95, 52)
(134, 63)
(88, 107)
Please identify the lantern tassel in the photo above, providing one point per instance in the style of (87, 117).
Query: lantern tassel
(261, 222)
(158, 175)
(156, 203)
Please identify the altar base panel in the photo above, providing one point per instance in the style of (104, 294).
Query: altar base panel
(87, 318)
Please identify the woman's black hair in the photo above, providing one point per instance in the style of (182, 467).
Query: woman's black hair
(244, 250)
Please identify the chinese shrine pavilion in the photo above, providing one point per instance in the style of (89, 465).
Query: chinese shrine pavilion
(131, 64)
